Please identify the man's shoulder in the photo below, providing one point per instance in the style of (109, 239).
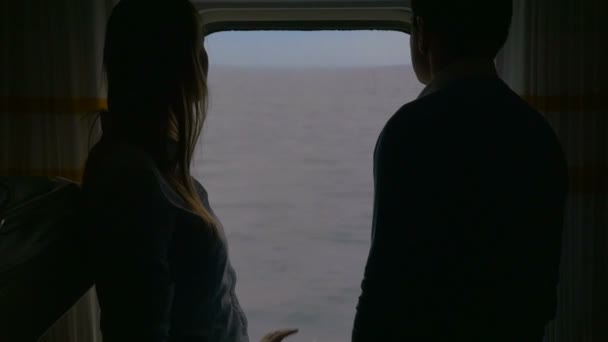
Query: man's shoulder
(464, 101)
(418, 108)
(413, 116)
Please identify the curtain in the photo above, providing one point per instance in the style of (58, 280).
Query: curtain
(50, 84)
(556, 59)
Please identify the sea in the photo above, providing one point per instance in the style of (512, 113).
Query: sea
(287, 158)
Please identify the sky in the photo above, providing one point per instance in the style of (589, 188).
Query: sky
(308, 49)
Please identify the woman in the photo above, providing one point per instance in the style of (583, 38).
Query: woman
(159, 253)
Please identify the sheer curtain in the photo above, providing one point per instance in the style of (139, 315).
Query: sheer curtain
(50, 82)
(556, 59)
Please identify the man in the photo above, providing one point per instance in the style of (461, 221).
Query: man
(470, 183)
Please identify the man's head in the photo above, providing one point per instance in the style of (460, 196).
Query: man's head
(446, 31)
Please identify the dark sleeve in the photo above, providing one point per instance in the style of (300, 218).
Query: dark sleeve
(393, 267)
(133, 227)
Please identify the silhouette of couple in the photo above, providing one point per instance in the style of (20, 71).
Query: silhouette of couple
(470, 184)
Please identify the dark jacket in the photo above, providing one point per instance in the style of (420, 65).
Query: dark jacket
(161, 275)
(470, 183)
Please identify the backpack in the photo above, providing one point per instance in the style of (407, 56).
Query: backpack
(44, 266)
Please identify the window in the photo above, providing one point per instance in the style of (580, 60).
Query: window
(286, 157)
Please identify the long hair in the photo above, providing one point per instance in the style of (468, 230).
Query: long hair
(156, 68)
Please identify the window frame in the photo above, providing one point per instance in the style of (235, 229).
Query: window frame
(305, 19)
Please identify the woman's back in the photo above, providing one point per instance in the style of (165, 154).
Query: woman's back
(161, 274)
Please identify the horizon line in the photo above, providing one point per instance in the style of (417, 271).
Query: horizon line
(308, 66)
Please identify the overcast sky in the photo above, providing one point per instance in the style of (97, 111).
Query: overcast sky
(305, 49)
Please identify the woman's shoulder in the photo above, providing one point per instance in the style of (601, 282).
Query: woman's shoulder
(122, 169)
(113, 155)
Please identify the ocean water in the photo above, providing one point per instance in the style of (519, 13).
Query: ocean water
(286, 157)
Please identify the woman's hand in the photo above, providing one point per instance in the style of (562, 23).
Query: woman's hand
(279, 335)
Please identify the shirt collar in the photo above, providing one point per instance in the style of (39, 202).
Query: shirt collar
(457, 71)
